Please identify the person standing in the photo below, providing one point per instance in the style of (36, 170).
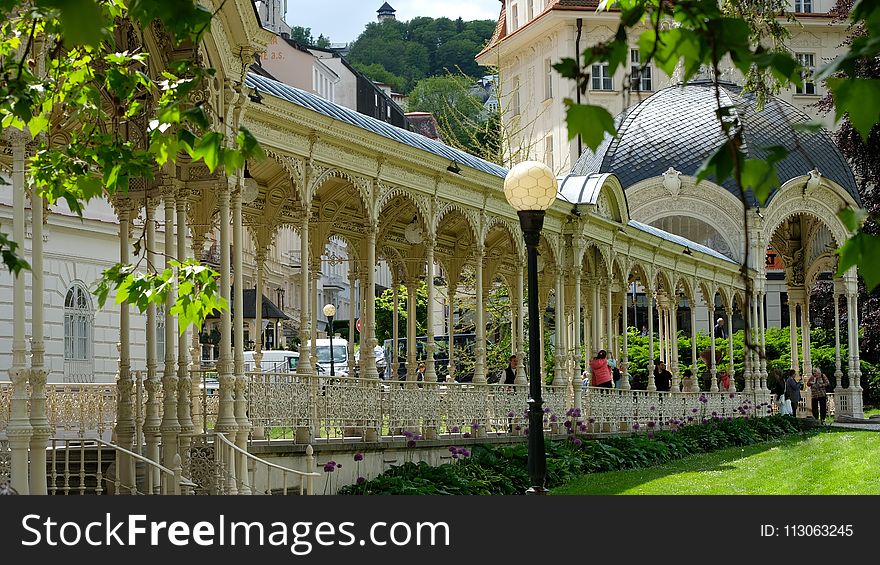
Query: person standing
(720, 330)
(792, 391)
(601, 371)
(662, 377)
(510, 371)
(818, 384)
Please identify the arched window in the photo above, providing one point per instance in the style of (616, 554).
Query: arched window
(697, 231)
(78, 347)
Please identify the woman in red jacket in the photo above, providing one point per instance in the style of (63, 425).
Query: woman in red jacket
(601, 371)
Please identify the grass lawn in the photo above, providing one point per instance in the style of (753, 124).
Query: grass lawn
(872, 411)
(828, 462)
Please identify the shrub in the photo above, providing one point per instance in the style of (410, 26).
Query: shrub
(503, 470)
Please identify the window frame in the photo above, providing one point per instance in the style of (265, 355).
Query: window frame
(809, 88)
(640, 76)
(604, 77)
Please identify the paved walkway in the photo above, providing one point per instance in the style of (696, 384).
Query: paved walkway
(873, 426)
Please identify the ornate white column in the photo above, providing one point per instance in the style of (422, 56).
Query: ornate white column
(856, 375)
(792, 327)
(351, 320)
(368, 357)
(751, 369)
(695, 358)
(184, 379)
(411, 329)
(480, 352)
(520, 378)
(838, 374)
(596, 315)
(451, 291)
(673, 339)
(314, 275)
(395, 327)
(576, 346)
(241, 380)
(305, 370)
(624, 359)
(430, 370)
(661, 318)
(559, 376)
(731, 368)
(763, 359)
(609, 322)
(37, 377)
(258, 322)
(226, 423)
(713, 369)
(152, 419)
(170, 426)
(19, 429)
(805, 337)
(124, 422)
(304, 367)
(651, 296)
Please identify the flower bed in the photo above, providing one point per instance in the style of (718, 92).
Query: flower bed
(490, 470)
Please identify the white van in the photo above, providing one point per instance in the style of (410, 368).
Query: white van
(274, 361)
(340, 356)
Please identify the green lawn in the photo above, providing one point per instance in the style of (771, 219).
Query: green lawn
(829, 462)
(872, 411)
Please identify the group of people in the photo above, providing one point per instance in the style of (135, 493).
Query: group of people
(818, 384)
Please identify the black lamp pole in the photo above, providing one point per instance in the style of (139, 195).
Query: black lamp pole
(332, 368)
(531, 222)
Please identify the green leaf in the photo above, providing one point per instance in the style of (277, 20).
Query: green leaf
(760, 177)
(860, 99)
(208, 148)
(592, 123)
(82, 21)
(567, 68)
(852, 218)
(719, 165)
(861, 250)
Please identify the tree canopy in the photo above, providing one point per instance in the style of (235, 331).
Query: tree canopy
(303, 35)
(422, 47)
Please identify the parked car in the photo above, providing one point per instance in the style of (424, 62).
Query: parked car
(274, 361)
(339, 356)
(381, 363)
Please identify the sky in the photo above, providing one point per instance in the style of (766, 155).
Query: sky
(343, 20)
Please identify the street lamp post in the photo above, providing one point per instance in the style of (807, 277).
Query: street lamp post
(530, 187)
(330, 311)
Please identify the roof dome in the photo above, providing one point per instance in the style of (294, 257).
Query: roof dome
(677, 127)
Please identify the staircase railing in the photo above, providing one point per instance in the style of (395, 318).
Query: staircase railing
(227, 454)
(69, 470)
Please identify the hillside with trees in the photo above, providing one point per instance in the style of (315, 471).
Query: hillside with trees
(403, 53)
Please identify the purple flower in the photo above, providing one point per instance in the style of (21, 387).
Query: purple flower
(454, 429)
(361, 480)
(339, 465)
(329, 466)
(411, 443)
(714, 413)
(464, 453)
(650, 435)
(517, 427)
(636, 425)
(578, 442)
(510, 414)
(651, 424)
(694, 410)
(690, 418)
(466, 434)
(359, 456)
(475, 426)
(452, 449)
(407, 434)
(567, 424)
(526, 432)
(546, 410)
(553, 418)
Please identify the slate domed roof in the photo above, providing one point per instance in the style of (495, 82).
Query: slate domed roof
(677, 127)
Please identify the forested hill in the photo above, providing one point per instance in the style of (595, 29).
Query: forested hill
(402, 53)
